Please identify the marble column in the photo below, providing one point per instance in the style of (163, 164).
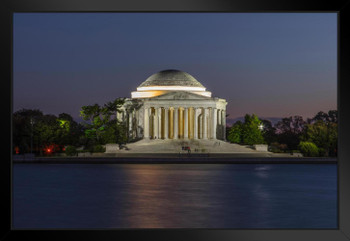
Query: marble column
(222, 117)
(186, 123)
(205, 125)
(195, 132)
(200, 126)
(159, 136)
(190, 123)
(130, 123)
(136, 124)
(209, 123)
(181, 123)
(219, 125)
(166, 118)
(176, 124)
(146, 123)
(171, 123)
(214, 123)
(224, 125)
(155, 128)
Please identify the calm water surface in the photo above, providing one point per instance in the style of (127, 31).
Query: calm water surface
(174, 196)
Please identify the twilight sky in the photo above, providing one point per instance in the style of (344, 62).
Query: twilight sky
(269, 64)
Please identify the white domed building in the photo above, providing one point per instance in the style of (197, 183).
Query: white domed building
(172, 104)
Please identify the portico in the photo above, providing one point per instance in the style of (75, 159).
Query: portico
(174, 105)
(182, 122)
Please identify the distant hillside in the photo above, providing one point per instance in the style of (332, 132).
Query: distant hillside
(273, 120)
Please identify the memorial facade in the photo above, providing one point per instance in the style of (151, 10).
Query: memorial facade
(172, 104)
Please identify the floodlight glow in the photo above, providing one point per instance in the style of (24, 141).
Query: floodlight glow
(204, 93)
(150, 94)
(172, 88)
(146, 94)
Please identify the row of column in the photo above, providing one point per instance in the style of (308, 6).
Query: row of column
(183, 123)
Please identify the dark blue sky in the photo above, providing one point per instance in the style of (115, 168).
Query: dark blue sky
(273, 65)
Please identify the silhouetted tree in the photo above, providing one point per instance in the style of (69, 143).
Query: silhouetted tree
(70, 131)
(102, 126)
(23, 128)
(324, 134)
(289, 131)
(251, 134)
(247, 133)
(269, 132)
(235, 133)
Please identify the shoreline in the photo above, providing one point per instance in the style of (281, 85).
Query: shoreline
(179, 159)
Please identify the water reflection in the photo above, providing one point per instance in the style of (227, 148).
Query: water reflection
(263, 170)
(175, 196)
(169, 196)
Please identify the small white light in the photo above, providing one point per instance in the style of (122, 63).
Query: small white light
(261, 127)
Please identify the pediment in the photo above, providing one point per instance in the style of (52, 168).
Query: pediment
(181, 95)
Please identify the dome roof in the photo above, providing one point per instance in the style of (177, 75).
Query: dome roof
(171, 77)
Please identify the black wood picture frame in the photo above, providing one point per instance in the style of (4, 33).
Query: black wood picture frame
(342, 8)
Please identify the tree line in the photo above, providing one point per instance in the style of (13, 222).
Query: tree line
(43, 134)
(315, 136)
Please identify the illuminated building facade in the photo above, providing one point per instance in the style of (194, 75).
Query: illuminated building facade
(172, 104)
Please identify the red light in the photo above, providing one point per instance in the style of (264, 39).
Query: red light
(48, 150)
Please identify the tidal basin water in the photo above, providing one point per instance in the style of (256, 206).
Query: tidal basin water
(79, 196)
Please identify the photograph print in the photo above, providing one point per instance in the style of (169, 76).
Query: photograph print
(174, 120)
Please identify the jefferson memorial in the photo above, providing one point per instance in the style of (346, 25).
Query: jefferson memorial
(172, 104)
